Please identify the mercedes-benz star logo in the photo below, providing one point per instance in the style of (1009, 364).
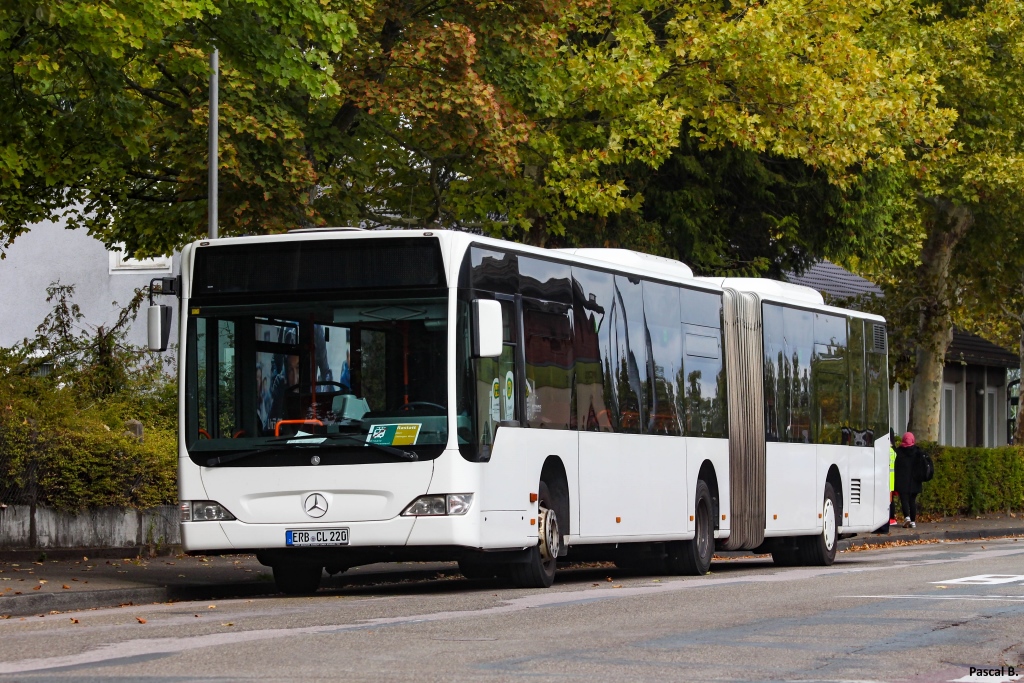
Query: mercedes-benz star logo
(315, 505)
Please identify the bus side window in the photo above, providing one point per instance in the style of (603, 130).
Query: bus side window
(549, 364)
(858, 416)
(487, 389)
(776, 374)
(630, 361)
(597, 409)
(799, 330)
(702, 387)
(664, 367)
(831, 380)
(878, 380)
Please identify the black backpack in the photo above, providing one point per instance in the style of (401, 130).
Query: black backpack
(927, 467)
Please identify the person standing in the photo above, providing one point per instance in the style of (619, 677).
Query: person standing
(892, 478)
(908, 480)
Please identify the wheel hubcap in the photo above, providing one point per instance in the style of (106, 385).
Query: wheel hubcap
(550, 538)
(703, 535)
(830, 524)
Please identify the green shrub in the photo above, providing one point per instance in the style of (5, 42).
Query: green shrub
(63, 436)
(974, 480)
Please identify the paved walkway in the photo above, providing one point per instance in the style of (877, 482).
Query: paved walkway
(32, 582)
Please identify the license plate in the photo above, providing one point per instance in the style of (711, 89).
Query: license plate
(315, 537)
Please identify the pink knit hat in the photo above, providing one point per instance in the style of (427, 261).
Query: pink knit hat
(908, 439)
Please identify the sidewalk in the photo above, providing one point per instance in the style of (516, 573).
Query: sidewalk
(32, 585)
(945, 529)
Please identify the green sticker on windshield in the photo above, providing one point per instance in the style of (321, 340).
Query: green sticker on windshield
(394, 434)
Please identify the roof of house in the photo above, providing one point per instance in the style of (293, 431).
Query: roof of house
(973, 350)
(828, 278)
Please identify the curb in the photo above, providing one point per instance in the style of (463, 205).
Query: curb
(34, 554)
(965, 535)
(28, 605)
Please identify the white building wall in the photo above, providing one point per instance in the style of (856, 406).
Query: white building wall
(49, 252)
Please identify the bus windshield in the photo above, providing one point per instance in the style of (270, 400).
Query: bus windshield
(273, 378)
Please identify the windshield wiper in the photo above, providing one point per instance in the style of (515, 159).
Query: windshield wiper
(351, 438)
(356, 441)
(231, 457)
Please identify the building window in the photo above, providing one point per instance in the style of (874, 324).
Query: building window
(121, 264)
(948, 414)
(990, 418)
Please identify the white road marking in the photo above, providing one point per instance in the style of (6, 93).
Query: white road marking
(998, 598)
(986, 579)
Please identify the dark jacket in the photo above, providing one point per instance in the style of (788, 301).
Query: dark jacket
(908, 469)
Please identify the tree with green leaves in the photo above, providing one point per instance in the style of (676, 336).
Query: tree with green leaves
(514, 118)
(973, 196)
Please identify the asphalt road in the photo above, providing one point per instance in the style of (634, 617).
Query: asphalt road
(907, 613)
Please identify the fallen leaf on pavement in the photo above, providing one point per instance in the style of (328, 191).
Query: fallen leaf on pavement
(140, 620)
(73, 620)
(66, 587)
(37, 587)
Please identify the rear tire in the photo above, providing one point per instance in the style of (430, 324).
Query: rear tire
(693, 558)
(820, 550)
(539, 569)
(297, 579)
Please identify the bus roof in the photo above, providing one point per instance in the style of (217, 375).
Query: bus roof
(634, 262)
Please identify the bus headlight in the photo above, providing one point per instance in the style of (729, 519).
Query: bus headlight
(204, 511)
(439, 505)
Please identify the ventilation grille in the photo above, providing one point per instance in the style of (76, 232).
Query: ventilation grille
(855, 491)
(879, 338)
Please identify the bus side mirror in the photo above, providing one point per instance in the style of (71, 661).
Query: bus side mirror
(487, 329)
(159, 319)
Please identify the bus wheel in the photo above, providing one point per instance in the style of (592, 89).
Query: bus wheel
(539, 570)
(694, 557)
(297, 579)
(820, 550)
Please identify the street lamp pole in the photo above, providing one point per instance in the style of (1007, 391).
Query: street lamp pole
(214, 153)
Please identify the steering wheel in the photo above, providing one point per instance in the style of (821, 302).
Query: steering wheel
(412, 405)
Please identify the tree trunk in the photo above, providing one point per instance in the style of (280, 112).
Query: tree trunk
(946, 227)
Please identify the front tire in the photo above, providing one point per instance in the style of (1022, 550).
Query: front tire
(693, 558)
(820, 550)
(539, 569)
(297, 579)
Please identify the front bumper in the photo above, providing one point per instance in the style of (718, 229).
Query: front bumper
(488, 530)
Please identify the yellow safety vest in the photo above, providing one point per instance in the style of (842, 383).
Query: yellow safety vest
(892, 469)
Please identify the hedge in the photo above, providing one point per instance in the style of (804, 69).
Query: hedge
(66, 398)
(974, 480)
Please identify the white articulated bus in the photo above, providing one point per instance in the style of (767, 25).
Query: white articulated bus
(352, 396)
